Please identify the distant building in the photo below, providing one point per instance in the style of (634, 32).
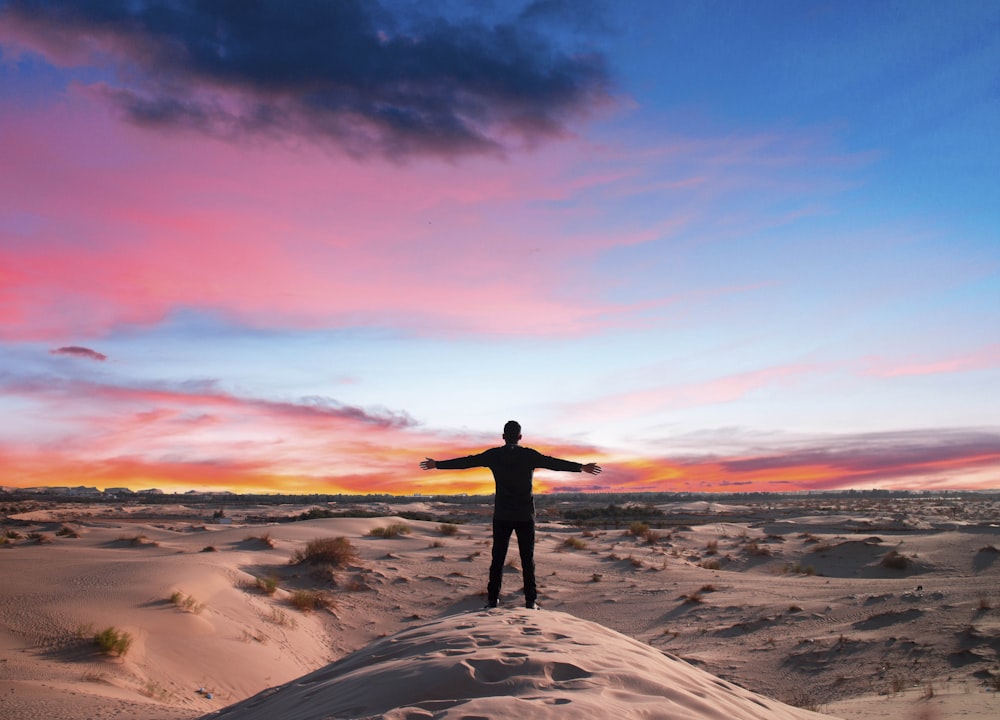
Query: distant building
(82, 491)
(118, 491)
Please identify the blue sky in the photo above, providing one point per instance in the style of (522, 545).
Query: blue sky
(710, 245)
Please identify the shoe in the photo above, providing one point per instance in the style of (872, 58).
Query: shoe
(491, 605)
(533, 606)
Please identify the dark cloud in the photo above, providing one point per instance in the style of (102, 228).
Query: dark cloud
(81, 352)
(319, 407)
(878, 455)
(352, 71)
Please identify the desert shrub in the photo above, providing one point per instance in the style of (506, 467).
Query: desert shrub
(635, 562)
(266, 540)
(794, 608)
(988, 549)
(638, 528)
(574, 543)
(693, 598)
(897, 684)
(267, 584)
(707, 588)
(597, 577)
(984, 603)
(67, 531)
(307, 600)
(895, 561)
(112, 641)
(389, 531)
(336, 551)
(651, 536)
(40, 538)
(186, 602)
(12, 534)
(209, 548)
(280, 618)
(138, 540)
(712, 564)
(756, 549)
(448, 529)
(712, 547)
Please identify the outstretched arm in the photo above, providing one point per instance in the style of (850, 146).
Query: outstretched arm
(592, 468)
(427, 464)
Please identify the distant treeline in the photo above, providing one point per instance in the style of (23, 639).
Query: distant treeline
(319, 512)
(16, 495)
(612, 513)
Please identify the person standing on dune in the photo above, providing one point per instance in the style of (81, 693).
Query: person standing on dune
(513, 467)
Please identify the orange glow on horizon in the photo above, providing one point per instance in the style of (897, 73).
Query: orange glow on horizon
(621, 475)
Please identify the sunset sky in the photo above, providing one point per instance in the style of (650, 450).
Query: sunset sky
(300, 246)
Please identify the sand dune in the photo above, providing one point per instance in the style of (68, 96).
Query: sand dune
(510, 664)
(808, 612)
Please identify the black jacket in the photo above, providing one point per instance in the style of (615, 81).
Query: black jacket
(513, 467)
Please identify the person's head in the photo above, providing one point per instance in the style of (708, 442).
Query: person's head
(512, 432)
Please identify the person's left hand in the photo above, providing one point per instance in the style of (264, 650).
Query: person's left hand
(592, 468)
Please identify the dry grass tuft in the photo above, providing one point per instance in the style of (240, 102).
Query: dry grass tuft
(266, 540)
(112, 641)
(336, 551)
(895, 561)
(267, 585)
(390, 531)
(757, 550)
(638, 528)
(309, 600)
(186, 602)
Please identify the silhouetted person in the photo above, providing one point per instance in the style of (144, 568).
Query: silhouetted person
(514, 509)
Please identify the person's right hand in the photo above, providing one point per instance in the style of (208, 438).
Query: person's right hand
(427, 464)
(592, 468)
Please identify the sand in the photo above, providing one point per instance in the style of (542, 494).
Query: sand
(757, 618)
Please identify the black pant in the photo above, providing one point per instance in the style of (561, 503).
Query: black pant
(525, 530)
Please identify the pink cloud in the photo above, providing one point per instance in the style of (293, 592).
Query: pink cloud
(198, 435)
(134, 225)
(979, 359)
(128, 225)
(723, 389)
